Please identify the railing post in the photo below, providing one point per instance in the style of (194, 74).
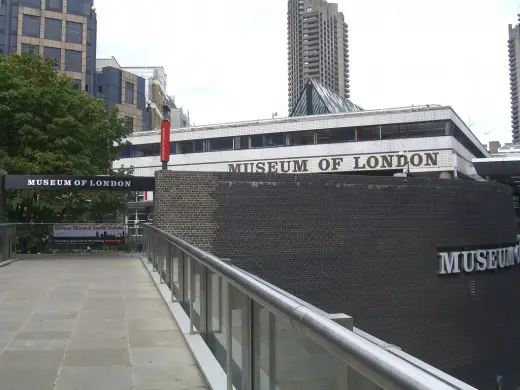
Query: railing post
(272, 351)
(247, 342)
(149, 246)
(155, 254)
(229, 338)
(220, 298)
(160, 264)
(190, 289)
(204, 315)
(343, 368)
(172, 274)
(342, 380)
(182, 281)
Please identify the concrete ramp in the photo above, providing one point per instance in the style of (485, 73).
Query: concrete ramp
(89, 323)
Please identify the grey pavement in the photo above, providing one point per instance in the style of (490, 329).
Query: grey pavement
(83, 323)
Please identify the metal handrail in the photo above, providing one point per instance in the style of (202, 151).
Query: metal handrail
(383, 368)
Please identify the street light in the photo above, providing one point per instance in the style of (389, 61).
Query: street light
(402, 153)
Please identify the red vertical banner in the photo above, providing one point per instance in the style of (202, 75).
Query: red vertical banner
(165, 141)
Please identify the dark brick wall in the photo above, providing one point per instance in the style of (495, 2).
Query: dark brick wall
(367, 247)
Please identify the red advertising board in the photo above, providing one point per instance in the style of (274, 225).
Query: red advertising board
(165, 141)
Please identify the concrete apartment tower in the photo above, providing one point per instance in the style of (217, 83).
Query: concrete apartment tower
(514, 68)
(64, 30)
(317, 47)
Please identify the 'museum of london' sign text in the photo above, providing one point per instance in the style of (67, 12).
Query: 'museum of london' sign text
(346, 163)
(478, 260)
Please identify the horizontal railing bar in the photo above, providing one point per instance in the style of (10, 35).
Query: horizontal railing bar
(385, 369)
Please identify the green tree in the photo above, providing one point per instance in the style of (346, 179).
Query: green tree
(48, 127)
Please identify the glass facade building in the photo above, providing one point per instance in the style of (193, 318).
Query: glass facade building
(64, 31)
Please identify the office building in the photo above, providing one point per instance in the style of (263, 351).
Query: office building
(156, 95)
(123, 90)
(514, 65)
(139, 93)
(317, 47)
(63, 30)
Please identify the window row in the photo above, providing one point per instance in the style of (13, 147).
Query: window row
(77, 7)
(52, 29)
(317, 137)
(73, 58)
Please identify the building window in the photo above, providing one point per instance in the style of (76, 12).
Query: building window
(54, 5)
(129, 122)
(78, 7)
(31, 3)
(14, 22)
(129, 92)
(244, 142)
(26, 48)
(256, 141)
(301, 138)
(277, 139)
(77, 84)
(224, 143)
(73, 61)
(198, 145)
(331, 136)
(53, 29)
(74, 32)
(31, 26)
(52, 54)
(89, 37)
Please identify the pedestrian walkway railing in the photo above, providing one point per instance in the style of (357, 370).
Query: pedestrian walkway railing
(7, 241)
(264, 338)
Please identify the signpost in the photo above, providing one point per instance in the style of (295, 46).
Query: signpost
(165, 143)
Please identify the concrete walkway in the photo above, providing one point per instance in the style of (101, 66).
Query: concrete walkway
(88, 323)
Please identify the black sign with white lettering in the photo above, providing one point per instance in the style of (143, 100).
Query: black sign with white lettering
(67, 183)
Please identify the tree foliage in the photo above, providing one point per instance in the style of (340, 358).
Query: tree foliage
(48, 127)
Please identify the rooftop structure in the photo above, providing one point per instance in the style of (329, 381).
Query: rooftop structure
(317, 99)
(368, 142)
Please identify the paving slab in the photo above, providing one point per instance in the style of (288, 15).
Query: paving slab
(95, 378)
(165, 378)
(89, 323)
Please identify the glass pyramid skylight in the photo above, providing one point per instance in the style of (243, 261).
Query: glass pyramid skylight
(316, 99)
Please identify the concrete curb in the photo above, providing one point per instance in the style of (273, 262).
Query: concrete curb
(7, 262)
(215, 376)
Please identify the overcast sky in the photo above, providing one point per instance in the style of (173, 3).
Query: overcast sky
(227, 60)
